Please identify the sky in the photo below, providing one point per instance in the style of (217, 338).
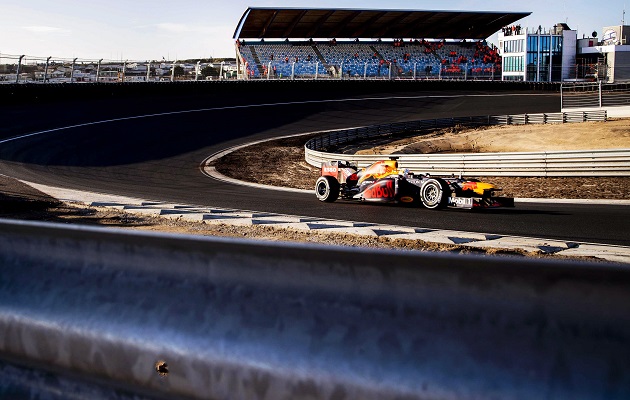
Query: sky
(187, 29)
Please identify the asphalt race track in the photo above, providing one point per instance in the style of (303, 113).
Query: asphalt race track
(151, 148)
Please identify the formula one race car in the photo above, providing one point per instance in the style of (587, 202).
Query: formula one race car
(384, 182)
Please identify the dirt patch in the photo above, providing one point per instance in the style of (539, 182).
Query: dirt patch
(276, 163)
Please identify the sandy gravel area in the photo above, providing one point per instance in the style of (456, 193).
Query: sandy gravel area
(613, 134)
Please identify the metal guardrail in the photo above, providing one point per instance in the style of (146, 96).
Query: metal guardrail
(171, 316)
(614, 162)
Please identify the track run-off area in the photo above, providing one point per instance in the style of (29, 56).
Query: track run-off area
(150, 145)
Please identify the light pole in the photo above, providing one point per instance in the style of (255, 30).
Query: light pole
(98, 69)
(46, 69)
(17, 76)
(72, 71)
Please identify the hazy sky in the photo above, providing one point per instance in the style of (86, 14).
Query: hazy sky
(142, 29)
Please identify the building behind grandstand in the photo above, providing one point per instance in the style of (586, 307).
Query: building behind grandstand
(291, 43)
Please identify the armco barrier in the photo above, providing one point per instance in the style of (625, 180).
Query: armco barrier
(615, 162)
(108, 312)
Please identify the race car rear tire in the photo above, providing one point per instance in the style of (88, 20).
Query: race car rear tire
(327, 189)
(434, 194)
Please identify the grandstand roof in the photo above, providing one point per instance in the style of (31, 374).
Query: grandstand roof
(304, 23)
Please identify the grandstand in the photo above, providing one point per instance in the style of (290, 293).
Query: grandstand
(274, 43)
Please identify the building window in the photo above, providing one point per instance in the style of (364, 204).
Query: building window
(532, 44)
(513, 46)
(513, 64)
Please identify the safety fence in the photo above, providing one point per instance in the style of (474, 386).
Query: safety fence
(595, 95)
(93, 313)
(34, 69)
(615, 162)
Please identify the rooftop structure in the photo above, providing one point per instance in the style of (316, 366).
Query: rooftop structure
(305, 23)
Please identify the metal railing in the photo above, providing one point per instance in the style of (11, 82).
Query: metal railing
(172, 316)
(35, 69)
(595, 95)
(615, 162)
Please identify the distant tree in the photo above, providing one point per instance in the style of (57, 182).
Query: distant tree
(179, 70)
(209, 71)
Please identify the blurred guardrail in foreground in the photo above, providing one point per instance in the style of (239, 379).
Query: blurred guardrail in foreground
(615, 162)
(119, 314)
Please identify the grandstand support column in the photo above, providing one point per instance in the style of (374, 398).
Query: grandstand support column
(293, 70)
(316, 69)
(124, 71)
(268, 70)
(148, 71)
(365, 71)
(46, 69)
(173, 72)
(221, 70)
(390, 71)
(599, 92)
(341, 71)
(440, 74)
(196, 71)
(98, 69)
(415, 68)
(466, 72)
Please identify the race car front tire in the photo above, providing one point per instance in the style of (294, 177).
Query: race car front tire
(434, 194)
(327, 189)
